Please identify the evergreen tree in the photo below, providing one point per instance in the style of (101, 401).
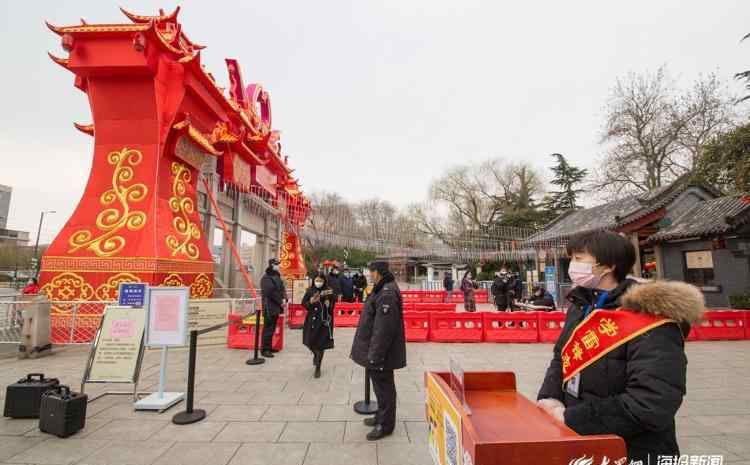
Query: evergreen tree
(567, 178)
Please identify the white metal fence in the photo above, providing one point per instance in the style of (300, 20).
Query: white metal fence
(76, 322)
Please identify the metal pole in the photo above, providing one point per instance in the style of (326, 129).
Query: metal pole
(190, 415)
(366, 407)
(162, 372)
(256, 360)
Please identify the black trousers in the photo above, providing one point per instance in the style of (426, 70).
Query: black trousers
(385, 390)
(269, 326)
(318, 357)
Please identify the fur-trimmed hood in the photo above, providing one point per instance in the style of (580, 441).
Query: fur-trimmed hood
(677, 300)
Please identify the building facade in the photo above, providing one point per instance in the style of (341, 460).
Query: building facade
(9, 236)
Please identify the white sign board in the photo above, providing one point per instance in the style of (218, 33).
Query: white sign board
(167, 324)
(116, 351)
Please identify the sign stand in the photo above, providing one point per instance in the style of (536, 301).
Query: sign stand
(97, 370)
(166, 326)
(160, 400)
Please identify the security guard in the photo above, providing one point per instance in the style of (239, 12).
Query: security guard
(380, 346)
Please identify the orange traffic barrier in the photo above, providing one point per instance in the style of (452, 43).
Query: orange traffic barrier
(417, 326)
(455, 327)
(511, 327)
(550, 326)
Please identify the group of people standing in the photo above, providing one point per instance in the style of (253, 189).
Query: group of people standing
(630, 384)
(379, 343)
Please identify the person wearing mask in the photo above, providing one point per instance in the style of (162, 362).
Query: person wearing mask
(334, 281)
(448, 286)
(347, 287)
(503, 290)
(468, 286)
(317, 331)
(360, 284)
(541, 298)
(619, 365)
(517, 289)
(32, 287)
(380, 346)
(273, 301)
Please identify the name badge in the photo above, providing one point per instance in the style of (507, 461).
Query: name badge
(573, 385)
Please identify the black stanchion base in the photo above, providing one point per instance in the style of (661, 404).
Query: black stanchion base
(185, 418)
(255, 361)
(365, 408)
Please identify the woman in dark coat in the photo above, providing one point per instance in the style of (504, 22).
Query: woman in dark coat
(467, 287)
(619, 366)
(317, 332)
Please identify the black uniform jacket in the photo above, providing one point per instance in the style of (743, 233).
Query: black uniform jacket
(379, 342)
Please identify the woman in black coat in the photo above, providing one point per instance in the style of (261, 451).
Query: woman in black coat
(619, 366)
(317, 332)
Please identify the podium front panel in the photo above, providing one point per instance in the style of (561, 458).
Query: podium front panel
(504, 427)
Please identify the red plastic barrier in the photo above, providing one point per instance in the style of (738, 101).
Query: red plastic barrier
(511, 327)
(411, 296)
(296, 316)
(455, 327)
(550, 326)
(417, 326)
(747, 324)
(242, 334)
(692, 335)
(346, 314)
(434, 307)
(433, 297)
(482, 296)
(721, 325)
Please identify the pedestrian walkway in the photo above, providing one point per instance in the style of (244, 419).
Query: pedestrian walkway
(278, 414)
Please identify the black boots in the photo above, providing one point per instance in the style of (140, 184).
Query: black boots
(370, 421)
(377, 433)
(317, 371)
(266, 353)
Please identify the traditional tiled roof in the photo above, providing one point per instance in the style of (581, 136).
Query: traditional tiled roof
(617, 214)
(707, 218)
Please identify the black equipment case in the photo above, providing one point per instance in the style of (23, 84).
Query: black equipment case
(22, 399)
(62, 412)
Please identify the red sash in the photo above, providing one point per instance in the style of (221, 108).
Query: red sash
(600, 333)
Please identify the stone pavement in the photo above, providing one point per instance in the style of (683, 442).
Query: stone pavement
(278, 414)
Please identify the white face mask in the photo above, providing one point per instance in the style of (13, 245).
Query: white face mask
(276, 267)
(318, 284)
(582, 274)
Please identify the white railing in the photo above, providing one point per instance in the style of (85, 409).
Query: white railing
(76, 322)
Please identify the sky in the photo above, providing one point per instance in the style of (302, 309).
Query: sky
(372, 98)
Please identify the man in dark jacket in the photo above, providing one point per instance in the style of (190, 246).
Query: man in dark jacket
(334, 282)
(274, 298)
(380, 346)
(503, 289)
(360, 284)
(541, 298)
(347, 287)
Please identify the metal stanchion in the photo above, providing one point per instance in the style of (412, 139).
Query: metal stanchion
(367, 406)
(190, 415)
(256, 360)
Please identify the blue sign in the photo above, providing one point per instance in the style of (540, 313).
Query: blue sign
(550, 282)
(133, 294)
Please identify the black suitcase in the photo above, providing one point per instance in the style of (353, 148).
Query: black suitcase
(62, 413)
(22, 399)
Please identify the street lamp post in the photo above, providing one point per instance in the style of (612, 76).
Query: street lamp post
(36, 246)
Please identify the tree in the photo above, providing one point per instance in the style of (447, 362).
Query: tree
(745, 76)
(725, 161)
(654, 133)
(477, 196)
(566, 178)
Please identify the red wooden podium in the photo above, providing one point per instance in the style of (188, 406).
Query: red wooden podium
(504, 427)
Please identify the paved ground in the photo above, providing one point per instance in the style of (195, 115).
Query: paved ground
(278, 414)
